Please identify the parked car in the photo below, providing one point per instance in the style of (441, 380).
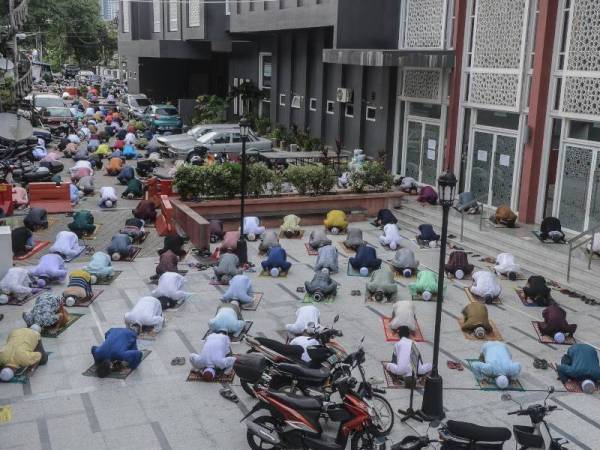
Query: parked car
(187, 141)
(163, 118)
(33, 104)
(134, 105)
(58, 120)
(70, 70)
(228, 141)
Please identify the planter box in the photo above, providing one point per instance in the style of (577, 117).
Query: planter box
(193, 217)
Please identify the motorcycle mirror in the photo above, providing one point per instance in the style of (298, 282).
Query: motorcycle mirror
(551, 390)
(506, 397)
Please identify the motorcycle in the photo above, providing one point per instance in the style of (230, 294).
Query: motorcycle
(316, 383)
(293, 421)
(538, 436)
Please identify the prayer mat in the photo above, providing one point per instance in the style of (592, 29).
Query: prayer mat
(476, 299)
(489, 260)
(234, 337)
(51, 221)
(520, 276)
(131, 257)
(221, 377)
(84, 249)
(309, 298)
(493, 336)
(419, 298)
(215, 282)
(93, 235)
(391, 336)
(107, 281)
(370, 298)
(311, 251)
(73, 317)
(424, 245)
(22, 375)
(205, 261)
(486, 384)
(569, 340)
(14, 301)
(258, 296)
(571, 385)
(396, 381)
(526, 301)
(300, 235)
(546, 241)
(352, 272)
(501, 225)
(343, 250)
(266, 273)
(85, 303)
(120, 374)
(399, 276)
(39, 246)
(149, 333)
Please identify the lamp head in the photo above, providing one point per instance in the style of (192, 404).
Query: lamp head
(244, 127)
(446, 188)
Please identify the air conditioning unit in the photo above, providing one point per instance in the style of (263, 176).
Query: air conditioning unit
(297, 101)
(344, 95)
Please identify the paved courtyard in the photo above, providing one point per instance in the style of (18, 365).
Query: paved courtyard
(155, 408)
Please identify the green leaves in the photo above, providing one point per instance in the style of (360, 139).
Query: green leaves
(311, 179)
(372, 175)
(209, 109)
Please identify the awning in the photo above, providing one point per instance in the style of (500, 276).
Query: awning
(389, 58)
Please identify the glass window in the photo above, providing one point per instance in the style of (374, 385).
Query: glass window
(236, 137)
(281, 99)
(173, 18)
(498, 119)
(313, 104)
(156, 4)
(194, 13)
(266, 69)
(164, 111)
(425, 110)
(371, 114)
(589, 131)
(349, 110)
(330, 107)
(221, 138)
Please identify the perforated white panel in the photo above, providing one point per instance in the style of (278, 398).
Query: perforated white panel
(494, 89)
(194, 13)
(126, 19)
(582, 95)
(424, 24)
(173, 15)
(584, 46)
(498, 33)
(156, 6)
(421, 84)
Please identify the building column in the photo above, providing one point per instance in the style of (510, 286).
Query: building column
(452, 122)
(538, 109)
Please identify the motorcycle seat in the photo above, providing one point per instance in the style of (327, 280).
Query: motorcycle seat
(318, 375)
(477, 433)
(291, 351)
(297, 401)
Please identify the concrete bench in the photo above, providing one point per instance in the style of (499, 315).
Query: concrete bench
(54, 198)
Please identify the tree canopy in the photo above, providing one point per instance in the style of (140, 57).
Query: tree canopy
(72, 31)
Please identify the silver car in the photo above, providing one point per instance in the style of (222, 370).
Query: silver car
(181, 143)
(228, 141)
(133, 106)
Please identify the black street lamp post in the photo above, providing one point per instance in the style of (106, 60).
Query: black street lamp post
(242, 246)
(433, 398)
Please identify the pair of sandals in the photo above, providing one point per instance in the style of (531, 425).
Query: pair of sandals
(178, 361)
(355, 292)
(454, 365)
(539, 363)
(228, 394)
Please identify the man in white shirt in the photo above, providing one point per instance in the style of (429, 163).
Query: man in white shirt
(391, 236)
(130, 138)
(147, 312)
(170, 287)
(400, 364)
(486, 286)
(240, 289)
(252, 227)
(213, 356)
(306, 317)
(108, 197)
(304, 342)
(506, 265)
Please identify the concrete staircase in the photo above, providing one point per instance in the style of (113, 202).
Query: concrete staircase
(548, 260)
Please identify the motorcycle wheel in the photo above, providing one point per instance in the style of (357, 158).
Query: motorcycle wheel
(385, 413)
(362, 441)
(255, 442)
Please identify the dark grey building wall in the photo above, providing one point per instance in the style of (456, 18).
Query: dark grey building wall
(331, 122)
(315, 89)
(368, 24)
(351, 126)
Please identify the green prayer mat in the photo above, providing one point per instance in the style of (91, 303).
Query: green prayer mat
(120, 374)
(486, 384)
(107, 281)
(352, 272)
(73, 317)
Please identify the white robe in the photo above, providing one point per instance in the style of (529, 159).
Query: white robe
(147, 312)
(240, 288)
(390, 234)
(214, 353)
(404, 315)
(130, 138)
(74, 139)
(304, 342)
(252, 226)
(170, 285)
(67, 244)
(82, 164)
(16, 282)
(402, 367)
(407, 183)
(108, 193)
(594, 246)
(305, 316)
(485, 283)
(505, 263)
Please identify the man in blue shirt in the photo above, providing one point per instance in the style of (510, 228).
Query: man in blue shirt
(119, 346)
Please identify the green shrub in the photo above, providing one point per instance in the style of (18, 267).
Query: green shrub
(261, 180)
(311, 179)
(187, 181)
(222, 180)
(372, 175)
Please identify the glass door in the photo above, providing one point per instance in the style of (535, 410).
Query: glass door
(575, 187)
(422, 151)
(492, 167)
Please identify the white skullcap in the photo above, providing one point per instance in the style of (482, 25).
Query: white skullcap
(588, 386)
(393, 245)
(335, 230)
(116, 256)
(427, 296)
(432, 244)
(93, 279)
(407, 273)
(36, 327)
(70, 301)
(459, 274)
(108, 203)
(274, 272)
(4, 299)
(7, 374)
(559, 338)
(479, 333)
(364, 271)
(502, 381)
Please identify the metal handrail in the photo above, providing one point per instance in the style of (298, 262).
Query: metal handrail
(572, 246)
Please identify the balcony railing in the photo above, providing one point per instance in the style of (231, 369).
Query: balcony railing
(18, 13)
